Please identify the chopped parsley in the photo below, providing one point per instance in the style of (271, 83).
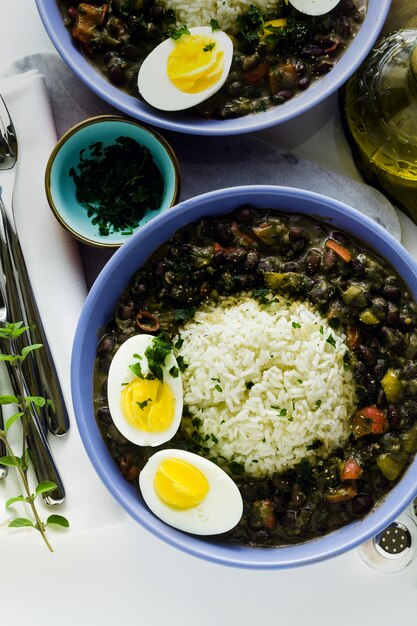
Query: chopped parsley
(117, 184)
(209, 47)
(281, 412)
(136, 368)
(261, 295)
(174, 371)
(218, 388)
(183, 315)
(249, 384)
(214, 438)
(143, 404)
(318, 403)
(236, 468)
(321, 330)
(181, 363)
(179, 32)
(250, 24)
(331, 340)
(156, 354)
(295, 325)
(214, 25)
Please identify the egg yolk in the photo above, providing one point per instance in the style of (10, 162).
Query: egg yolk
(148, 405)
(180, 484)
(195, 64)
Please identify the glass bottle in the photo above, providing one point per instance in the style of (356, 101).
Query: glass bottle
(380, 108)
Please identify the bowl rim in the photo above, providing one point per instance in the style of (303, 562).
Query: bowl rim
(358, 49)
(143, 243)
(92, 121)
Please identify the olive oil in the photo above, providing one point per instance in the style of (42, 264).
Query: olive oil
(380, 107)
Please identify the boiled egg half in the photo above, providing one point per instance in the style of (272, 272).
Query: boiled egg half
(314, 7)
(190, 493)
(147, 411)
(181, 73)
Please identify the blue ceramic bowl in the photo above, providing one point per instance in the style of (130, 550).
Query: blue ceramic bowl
(99, 307)
(61, 189)
(187, 122)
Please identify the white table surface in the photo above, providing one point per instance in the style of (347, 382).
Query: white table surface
(119, 574)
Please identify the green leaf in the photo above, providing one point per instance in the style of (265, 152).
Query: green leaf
(11, 501)
(20, 522)
(37, 400)
(10, 461)
(8, 399)
(12, 420)
(45, 486)
(8, 357)
(59, 520)
(28, 349)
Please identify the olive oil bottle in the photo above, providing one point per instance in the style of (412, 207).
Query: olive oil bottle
(380, 110)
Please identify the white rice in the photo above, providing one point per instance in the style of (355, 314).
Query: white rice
(300, 391)
(200, 12)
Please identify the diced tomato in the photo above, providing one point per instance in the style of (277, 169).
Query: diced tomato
(369, 421)
(351, 470)
(255, 75)
(342, 252)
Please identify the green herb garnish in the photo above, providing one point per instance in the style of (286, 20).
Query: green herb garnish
(295, 325)
(183, 315)
(250, 24)
(318, 403)
(144, 404)
(236, 468)
(214, 25)
(249, 384)
(209, 47)
(179, 32)
(218, 388)
(331, 340)
(9, 335)
(117, 184)
(174, 371)
(181, 363)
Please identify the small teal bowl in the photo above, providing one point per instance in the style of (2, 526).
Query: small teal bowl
(99, 307)
(61, 189)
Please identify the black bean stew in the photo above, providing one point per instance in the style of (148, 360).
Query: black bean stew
(262, 251)
(276, 56)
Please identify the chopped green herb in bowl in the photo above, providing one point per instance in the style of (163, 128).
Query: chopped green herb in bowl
(107, 177)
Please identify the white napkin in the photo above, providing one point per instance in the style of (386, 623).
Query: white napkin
(56, 274)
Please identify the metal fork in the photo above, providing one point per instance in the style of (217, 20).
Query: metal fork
(40, 372)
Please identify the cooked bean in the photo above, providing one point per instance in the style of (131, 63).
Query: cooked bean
(106, 344)
(313, 261)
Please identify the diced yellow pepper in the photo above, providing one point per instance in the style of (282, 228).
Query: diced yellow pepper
(368, 317)
(392, 386)
(277, 23)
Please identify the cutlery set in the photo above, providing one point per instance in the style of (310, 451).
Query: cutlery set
(17, 304)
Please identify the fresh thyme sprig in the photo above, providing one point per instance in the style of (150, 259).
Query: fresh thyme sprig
(9, 335)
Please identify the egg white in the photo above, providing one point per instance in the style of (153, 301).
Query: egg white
(157, 89)
(314, 7)
(119, 374)
(220, 510)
